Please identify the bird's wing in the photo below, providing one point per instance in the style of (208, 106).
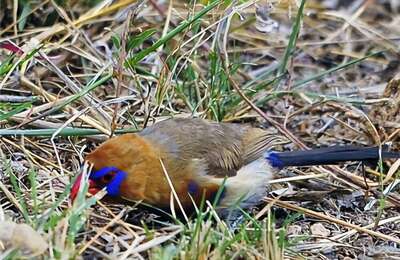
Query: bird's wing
(223, 147)
(257, 141)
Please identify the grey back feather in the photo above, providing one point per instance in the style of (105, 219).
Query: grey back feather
(224, 147)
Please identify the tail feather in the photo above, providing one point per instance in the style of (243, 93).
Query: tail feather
(329, 155)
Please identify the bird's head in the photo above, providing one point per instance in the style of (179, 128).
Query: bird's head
(112, 162)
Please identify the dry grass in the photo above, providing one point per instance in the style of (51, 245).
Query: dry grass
(74, 72)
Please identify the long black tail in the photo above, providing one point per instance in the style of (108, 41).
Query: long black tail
(329, 155)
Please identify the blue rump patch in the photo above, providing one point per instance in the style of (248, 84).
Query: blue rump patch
(193, 188)
(273, 159)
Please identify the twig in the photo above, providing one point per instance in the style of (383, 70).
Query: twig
(17, 99)
(119, 71)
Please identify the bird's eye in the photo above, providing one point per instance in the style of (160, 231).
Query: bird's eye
(107, 177)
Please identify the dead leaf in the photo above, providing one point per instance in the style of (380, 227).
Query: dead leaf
(23, 237)
(318, 229)
(294, 230)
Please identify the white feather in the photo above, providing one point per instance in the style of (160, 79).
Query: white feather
(249, 184)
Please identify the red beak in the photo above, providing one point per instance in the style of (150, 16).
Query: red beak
(93, 189)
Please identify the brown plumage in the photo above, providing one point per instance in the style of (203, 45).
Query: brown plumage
(197, 155)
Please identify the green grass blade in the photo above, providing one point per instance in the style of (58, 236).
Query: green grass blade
(289, 51)
(18, 109)
(26, 10)
(77, 217)
(33, 193)
(46, 219)
(133, 42)
(142, 54)
(6, 65)
(89, 87)
(18, 191)
(313, 95)
(300, 83)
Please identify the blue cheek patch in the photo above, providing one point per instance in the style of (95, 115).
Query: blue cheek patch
(113, 188)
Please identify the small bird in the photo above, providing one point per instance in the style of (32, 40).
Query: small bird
(199, 159)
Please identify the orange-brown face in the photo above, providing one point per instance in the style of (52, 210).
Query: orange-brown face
(128, 166)
(111, 162)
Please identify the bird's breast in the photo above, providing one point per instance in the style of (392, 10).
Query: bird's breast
(160, 176)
